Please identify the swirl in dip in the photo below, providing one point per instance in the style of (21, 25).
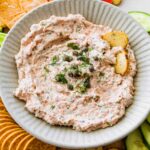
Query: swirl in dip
(68, 74)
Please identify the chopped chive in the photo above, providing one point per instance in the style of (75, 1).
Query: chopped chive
(61, 78)
(46, 69)
(90, 49)
(53, 106)
(67, 58)
(70, 86)
(73, 46)
(84, 59)
(101, 74)
(54, 60)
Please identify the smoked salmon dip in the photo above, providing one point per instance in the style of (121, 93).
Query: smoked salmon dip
(67, 74)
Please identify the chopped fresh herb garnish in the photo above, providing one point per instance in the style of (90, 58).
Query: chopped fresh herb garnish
(53, 106)
(81, 88)
(46, 69)
(74, 71)
(86, 82)
(54, 60)
(61, 78)
(85, 50)
(83, 64)
(61, 34)
(73, 46)
(91, 68)
(84, 59)
(70, 86)
(84, 85)
(67, 58)
(90, 48)
(75, 53)
(96, 58)
(101, 74)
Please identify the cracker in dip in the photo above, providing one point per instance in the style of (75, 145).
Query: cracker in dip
(72, 73)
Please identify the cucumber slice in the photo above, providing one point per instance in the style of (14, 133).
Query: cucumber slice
(2, 38)
(148, 118)
(145, 128)
(142, 18)
(134, 141)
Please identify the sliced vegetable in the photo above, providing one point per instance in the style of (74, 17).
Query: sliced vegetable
(116, 38)
(134, 141)
(2, 38)
(108, 1)
(142, 18)
(145, 128)
(121, 65)
(148, 118)
(116, 2)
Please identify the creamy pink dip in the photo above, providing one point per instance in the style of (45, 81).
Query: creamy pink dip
(67, 75)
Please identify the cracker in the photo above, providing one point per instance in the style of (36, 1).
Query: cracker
(17, 140)
(6, 142)
(6, 120)
(8, 10)
(28, 5)
(116, 38)
(35, 144)
(22, 143)
(11, 23)
(5, 134)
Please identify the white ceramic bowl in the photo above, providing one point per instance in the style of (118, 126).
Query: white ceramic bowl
(99, 13)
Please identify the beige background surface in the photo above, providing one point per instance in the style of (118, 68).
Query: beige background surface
(136, 5)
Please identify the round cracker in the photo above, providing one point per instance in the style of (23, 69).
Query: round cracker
(35, 144)
(4, 115)
(27, 143)
(17, 140)
(23, 142)
(1, 101)
(4, 124)
(5, 128)
(6, 142)
(1, 104)
(5, 134)
(2, 108)
(6, 120)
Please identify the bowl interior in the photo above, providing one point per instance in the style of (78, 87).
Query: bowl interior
(99, 13)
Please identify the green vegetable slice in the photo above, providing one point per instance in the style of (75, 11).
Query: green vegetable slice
(145, 128)
(148, 118)
(2, 38)
(142, 18)
(134, 141)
